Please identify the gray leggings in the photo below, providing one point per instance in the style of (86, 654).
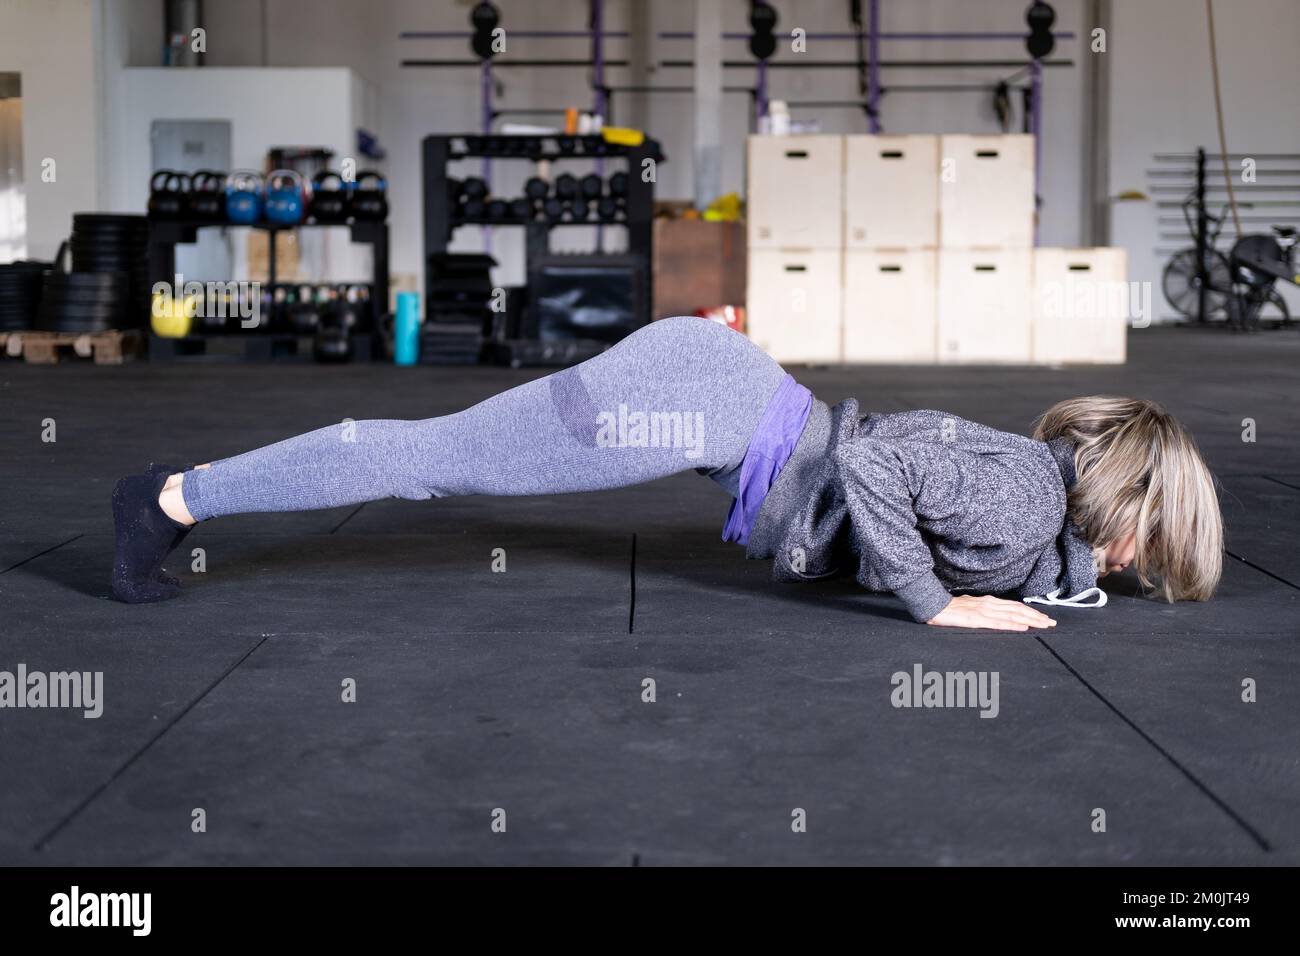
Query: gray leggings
(680, 394)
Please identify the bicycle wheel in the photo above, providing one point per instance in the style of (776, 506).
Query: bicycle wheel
(1275, 310)
(1182, 288)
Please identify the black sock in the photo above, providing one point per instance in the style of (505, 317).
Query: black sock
(144, 536)
(168, 470)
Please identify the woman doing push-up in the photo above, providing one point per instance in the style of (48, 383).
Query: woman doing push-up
(943, 512)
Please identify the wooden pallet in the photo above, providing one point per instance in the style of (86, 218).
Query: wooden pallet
(106, 348)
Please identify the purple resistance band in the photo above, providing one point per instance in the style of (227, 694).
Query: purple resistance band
(769, 449)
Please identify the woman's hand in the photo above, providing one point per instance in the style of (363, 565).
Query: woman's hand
(968, 610)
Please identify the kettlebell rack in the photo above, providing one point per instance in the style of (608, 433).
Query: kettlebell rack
(266, 342)
(629, 205)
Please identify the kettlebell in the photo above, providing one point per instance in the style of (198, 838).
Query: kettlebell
(244, 197)
(332, 344)
(205, 199)
(304, 313)
(350, 308)
(371, 202)
(281, 302)
(172, 318)
(286, 198)
(167, 194)
(329, 197)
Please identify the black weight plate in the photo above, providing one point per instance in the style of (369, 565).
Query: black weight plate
(85, 280)
(80, 308)
(78, 299)
(109, 217)
(100, 264)
(128, 257)
(109, 237)
(84, 302)
(83, 297)
(74, 311)
(58, 324)
(123, 263)
(80, 240)
(63, 305)
(109, 231)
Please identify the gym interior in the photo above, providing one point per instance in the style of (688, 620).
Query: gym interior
(227, 223)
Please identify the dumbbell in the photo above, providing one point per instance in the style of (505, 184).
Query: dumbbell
(473, 209)
(581, 210)
(521, 209)
(536, 188)
(591, 186)
(566, 186)
(553, 209)
(474, 188)
(618, 184)
(607, 208)
(498, 209)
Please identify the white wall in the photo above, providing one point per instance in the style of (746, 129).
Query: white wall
(52, 46)
(1162, 100)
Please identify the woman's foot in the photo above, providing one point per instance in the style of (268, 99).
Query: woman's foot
(144, 537)
(167, 471)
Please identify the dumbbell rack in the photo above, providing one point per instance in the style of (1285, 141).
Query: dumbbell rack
(440, 219)
(166, 234)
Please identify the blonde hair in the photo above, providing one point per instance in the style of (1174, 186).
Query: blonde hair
(1140, 471)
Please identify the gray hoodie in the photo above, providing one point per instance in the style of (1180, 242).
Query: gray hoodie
(923, 504)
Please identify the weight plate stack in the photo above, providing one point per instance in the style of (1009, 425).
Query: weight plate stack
(21, 284)
(103, 243)
(83, 301)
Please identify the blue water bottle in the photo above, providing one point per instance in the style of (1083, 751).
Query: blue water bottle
(406, 329)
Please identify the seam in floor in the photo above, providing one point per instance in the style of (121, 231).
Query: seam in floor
(1284, 484)
(76, 811)
(41, 554)
(1262, 570)
(352, 514)
(1218, 801)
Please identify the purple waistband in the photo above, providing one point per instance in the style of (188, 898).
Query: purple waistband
(769, 449)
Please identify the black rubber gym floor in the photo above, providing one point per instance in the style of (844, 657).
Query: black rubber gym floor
(479, 692)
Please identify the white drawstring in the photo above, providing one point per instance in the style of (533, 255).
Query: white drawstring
(1076, 601)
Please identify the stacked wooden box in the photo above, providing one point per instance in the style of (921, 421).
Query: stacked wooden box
(796, 246)
(932, 240)
(986, 239)
(891, 232)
